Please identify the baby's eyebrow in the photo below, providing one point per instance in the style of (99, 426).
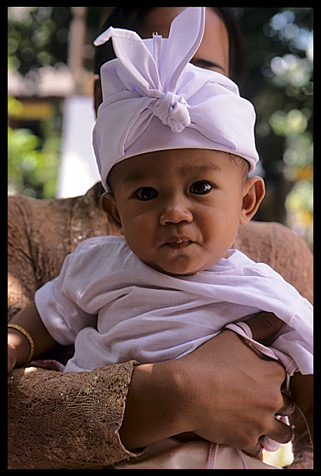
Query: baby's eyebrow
(134, 177)
(202, 168)
(139, 176)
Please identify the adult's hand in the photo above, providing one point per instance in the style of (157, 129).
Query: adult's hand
(223, 391)
(236, 394)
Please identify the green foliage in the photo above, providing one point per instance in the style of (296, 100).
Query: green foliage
(32, 162)
(32, 167)
(279, 81)
(37, 36)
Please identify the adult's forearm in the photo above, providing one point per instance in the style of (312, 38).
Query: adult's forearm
(154, 406)
(93, 419)
(66, 421)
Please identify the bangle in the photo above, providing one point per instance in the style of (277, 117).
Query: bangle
(27, 336)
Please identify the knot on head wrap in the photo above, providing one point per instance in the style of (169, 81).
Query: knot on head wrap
(172, 110)
(154, 99)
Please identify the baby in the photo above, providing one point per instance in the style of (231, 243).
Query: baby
(174, 146)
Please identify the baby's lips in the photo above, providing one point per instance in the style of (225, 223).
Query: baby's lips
(179, 240)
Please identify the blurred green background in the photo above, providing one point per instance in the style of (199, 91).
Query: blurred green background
(278, 80)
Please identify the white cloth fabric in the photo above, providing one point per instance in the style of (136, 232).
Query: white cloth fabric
(116, 308)
(153, 99)
(173, 454)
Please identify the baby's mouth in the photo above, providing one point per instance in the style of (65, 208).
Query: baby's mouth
(178, 242)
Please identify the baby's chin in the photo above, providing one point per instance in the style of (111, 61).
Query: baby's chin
(185, 260)
(178, 269)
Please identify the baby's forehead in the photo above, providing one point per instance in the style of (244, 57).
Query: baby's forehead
(171, 162)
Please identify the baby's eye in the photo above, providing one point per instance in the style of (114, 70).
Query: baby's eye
(146, 193)
(201, 187)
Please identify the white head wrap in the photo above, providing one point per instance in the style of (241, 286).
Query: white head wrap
(154, 99)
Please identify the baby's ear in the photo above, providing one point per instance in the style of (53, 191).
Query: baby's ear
(253, 194)
(108, 204)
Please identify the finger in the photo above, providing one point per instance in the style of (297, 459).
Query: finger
(288, 406)
(255, 451)
(281, 432)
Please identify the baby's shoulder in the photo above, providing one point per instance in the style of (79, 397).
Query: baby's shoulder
(96, 258)
(99, 250)
(98, 244)
(241, 261)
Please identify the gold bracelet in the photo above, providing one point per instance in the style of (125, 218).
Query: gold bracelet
(27, 336)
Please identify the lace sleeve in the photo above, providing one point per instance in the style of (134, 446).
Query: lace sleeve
(21, 274)
(67, 421)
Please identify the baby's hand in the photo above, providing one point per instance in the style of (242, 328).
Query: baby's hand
(12, 355)
(263, 326)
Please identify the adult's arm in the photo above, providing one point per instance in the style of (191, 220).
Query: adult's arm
(62, 420)
(40, 235)
(94, 419)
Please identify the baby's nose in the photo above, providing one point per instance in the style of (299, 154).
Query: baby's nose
(175, 211)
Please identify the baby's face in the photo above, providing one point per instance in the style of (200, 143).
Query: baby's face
(179, 210)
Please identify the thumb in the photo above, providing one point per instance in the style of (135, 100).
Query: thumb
(264, 325)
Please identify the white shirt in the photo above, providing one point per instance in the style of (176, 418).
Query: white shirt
(115, 308)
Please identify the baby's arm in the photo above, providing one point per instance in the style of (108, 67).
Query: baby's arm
(18, 344)
(264, 329)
